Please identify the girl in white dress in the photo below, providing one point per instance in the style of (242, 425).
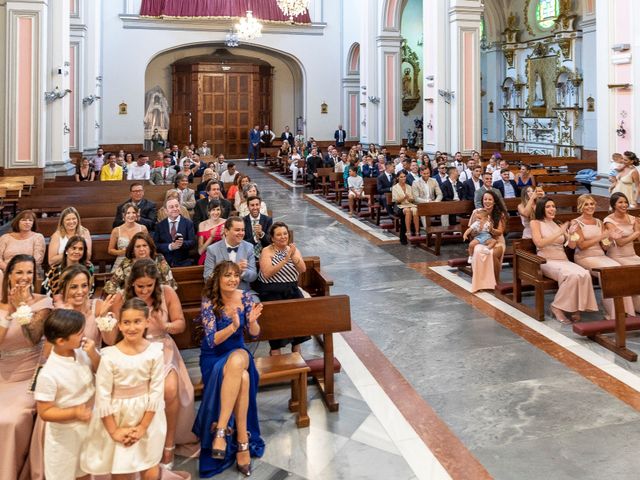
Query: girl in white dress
(127, 434)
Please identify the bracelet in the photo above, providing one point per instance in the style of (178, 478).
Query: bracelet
(5, 323)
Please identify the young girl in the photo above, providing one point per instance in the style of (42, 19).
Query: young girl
(127, 434)
(64, 393)
(479, 231)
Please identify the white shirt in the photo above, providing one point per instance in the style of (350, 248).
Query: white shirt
(98, 162)
(496, 176)
(226, 177)
(398, 167)
(233, 253)
(137, 172)
(355, 182)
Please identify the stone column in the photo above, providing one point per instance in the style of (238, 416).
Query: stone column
(91, 76)
(368, 21)
(388, 95)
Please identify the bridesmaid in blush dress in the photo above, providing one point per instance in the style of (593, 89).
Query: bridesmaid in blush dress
(575, 290)
(589, 237)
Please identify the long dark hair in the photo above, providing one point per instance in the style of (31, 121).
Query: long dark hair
(614, 199)
(499, 212)
(9, 270)
(70, 243)
(132, 244)
(211, 288)
(142, 268)
(540, 207)
(69, 273)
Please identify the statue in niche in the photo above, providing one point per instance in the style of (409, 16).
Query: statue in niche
(538, 97)
(406, 84)
(156, 117)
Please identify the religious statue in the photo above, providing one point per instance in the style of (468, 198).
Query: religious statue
(156, 117)
(538, 97)
(406, 84)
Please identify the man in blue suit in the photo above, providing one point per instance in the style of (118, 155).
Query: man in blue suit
(254, 144)
(174, 236)
(340, 136)
(233, 247)
(384, 184)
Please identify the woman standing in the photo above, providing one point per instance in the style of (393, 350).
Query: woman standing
(628, 180)
(23, 238)
(230, 378)
(486, 262)
(121, 236)
(210, 231)
(283, 155)
(575, 290)
(85, 172)
(68, 226)
(281, 264)
(75, 252)
(21, 345)
(402, 196)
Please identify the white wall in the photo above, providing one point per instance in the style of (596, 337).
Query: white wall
(411, 30)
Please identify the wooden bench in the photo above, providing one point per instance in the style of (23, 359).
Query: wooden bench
(433, 209)
(558, 182)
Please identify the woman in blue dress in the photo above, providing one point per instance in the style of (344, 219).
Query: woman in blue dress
(227, 420)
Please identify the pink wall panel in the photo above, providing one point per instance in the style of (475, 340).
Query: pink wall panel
(390, 14)
(73, 49)
(24, 88)
(468, 78)
(354, 61)
(353, 115)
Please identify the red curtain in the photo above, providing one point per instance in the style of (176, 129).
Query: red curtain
(267, 10)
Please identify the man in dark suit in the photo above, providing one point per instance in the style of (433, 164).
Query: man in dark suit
(507, 187)
(452, 190)
(254, 145)
(201, 210)
(314, 162)
(384, 184)
(175, 154)
(174, 236)
(147, 209)
(257, 226)
(473, 184)
(441, 174)
(340, 136)
(287, 135)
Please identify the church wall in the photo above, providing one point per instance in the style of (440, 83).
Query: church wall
(411, 30)
(3, 63)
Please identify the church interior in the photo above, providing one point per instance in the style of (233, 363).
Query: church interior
(459, 189)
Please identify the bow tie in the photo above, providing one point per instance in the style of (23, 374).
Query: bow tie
(232, 249)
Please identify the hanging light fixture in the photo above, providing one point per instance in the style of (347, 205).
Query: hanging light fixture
(293, 8)
(248, 28)
(231, 39)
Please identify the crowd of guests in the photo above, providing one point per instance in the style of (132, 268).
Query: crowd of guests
(123, 408)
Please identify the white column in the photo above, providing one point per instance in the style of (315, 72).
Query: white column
(58, 80)
(389, 93)
(91, 76)
(495, 66)
(369, 132)
(22, 125)
(464, 62)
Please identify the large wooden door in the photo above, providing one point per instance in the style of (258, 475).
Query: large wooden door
(238, 113)
(212, 111)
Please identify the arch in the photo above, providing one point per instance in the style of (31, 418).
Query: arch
(391, 14)
(353, 60)
(495, 19)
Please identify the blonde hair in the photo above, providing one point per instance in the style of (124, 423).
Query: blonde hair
(582, 199)
(65, 213)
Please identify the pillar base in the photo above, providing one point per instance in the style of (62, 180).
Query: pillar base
(59, 169)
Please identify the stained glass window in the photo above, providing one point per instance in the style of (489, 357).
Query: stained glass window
(547, 12)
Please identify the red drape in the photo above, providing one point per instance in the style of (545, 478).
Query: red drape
(267, 10)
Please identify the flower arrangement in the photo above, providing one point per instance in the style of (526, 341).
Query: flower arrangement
(23, 314)
(106, 323)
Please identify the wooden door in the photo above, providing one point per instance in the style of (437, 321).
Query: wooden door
(239, 93)
(212, 111)
(179, 126)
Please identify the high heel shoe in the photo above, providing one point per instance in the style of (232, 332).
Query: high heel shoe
(168, 465)
(244, 469)
(216, 453)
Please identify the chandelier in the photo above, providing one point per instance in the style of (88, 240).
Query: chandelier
(248, 28)
(293, 8)
(231, 39)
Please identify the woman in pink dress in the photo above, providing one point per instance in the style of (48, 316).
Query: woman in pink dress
(20, 352)
(575, 290)
(210, 231)
(527, 206)
(23, 238)
(487, 262)
(589, 238)
(166, 318)
(624, 229)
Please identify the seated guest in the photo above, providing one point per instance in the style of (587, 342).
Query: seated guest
(146, 209)
(414, 172)
(575, 290)
(140, 246)
(313, 163)
(426, 189)
(237, 196)
(121, 236)
(23, 239)
(588, 236)
(294, 164)
(75, 252)
(85, 172)
(524, 177)
(527, 207)
(250, 190)
(467, 171)
(452, 189)
(175, 236)
(185, 170)
(233, 247)
(187, 196)
(284, 153)
(473, 183)
(257, 226)
(201, 210)
(341, 163)
(98, 161)
(497, 173)
(162, 212)
(220, 166)
(139, 170)
(111, 171)
(69, 226)
(21, 348)
(207, 175)
(280, 267)
(441, 176)
(158, 161)
(486, 263)
(210, 230)
(507, 187)
(229, 175)
(227, 315)
(204, 149)
(384, 184)
(487, 185)
(402, 196)
(163, 175)
(369, 168)
(197, 169)
(355, 186)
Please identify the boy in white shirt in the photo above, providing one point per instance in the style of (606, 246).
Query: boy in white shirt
(355, 184)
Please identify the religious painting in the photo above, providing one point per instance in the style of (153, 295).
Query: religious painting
(324, 108)
(591, 104)
(156, 119)
(410, 80)
(122, 109)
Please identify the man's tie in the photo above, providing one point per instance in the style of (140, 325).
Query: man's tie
(232, 249)
(257, 247)
(174, 231)
(164, 174)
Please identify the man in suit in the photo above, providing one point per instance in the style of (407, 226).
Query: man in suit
(220, 166)
(175, 154)
(267, 136)
(441, 175)
(147, 213)
(330, 159)
(486, 185)
(254, 146)
(287, 135)
(257, 226)
(187, 195)
(340, 136)
(414, 172)
(426, 189)
(314, 162)
(201, 210)
(164, 175)
(507, 187)
(473, 183)
(233, 247)
(452, 190)
(204, 150)
(175, 236)
(384, 184)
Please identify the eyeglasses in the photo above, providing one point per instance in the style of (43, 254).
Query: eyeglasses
(137, 191)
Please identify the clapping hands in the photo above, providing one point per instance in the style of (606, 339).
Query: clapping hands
(256, 311)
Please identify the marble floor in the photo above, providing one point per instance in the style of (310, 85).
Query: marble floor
(522, 413)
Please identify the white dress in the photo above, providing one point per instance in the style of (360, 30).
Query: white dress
(127, 386)
(68, 382)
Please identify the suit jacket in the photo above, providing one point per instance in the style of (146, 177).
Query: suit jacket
(157, 177)
(447, 190)
(265, 222)
(200, 211)
(217, 253)
(336, 136)
(254, 137)
(188, 197)
(148, 214)
(439, 179)
(426, 191)
(288, 136)
(162, 237)
(313, 164)
(500, 187)
(470, 189)
(383, 185)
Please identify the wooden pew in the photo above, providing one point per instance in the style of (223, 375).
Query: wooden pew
(432, 209)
